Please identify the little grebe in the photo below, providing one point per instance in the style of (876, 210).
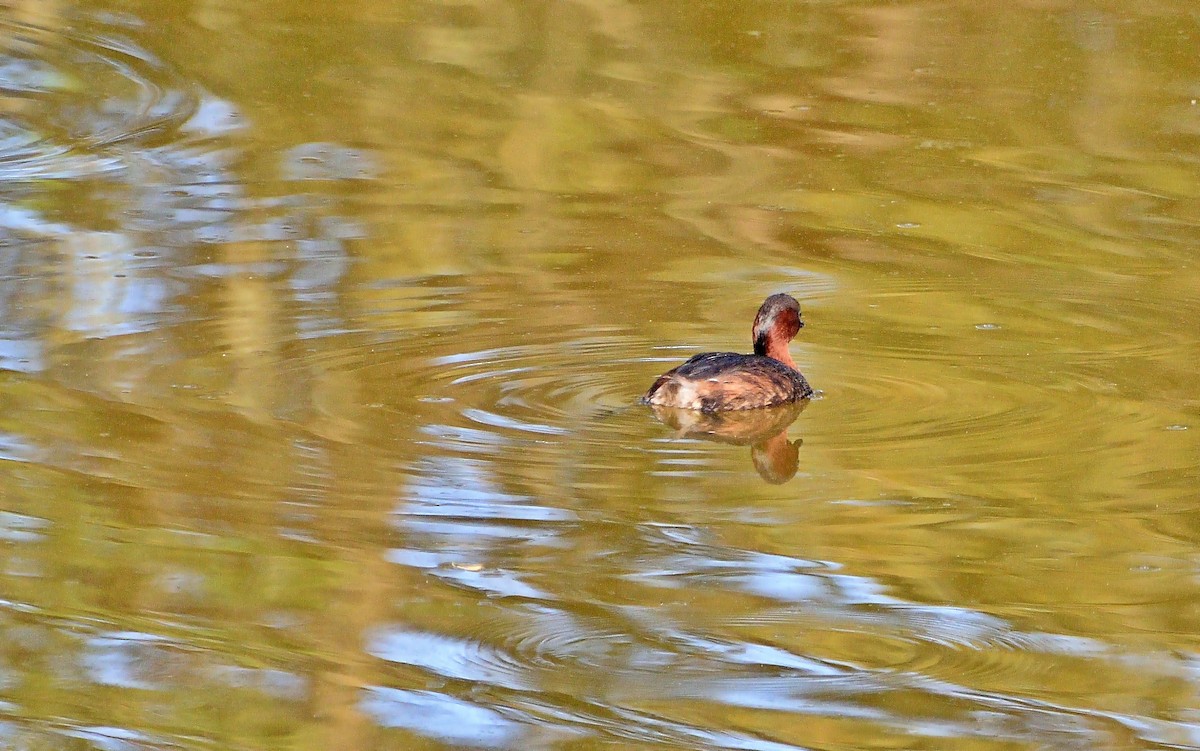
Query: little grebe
(717, 381)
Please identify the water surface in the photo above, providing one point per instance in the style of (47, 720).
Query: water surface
(322, 329)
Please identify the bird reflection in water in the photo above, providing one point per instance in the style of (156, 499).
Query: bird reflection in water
(763, 430)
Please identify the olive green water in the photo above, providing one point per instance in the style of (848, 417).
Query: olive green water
(322, 327)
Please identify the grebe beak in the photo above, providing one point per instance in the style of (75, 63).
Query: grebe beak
(800, 321)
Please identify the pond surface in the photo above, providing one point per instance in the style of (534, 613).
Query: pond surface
(322, 328)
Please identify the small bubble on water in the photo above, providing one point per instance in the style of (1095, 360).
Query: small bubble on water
(1177, 427)
(435, 399)
(987, 326)
(908, 225)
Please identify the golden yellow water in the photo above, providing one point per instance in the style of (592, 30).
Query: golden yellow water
(322, 327)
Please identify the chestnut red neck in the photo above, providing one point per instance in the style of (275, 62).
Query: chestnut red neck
(777, 349)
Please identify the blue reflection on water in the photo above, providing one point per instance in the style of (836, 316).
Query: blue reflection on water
(440, 716)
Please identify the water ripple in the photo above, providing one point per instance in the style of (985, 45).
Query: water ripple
(81, 91)
(447, 657)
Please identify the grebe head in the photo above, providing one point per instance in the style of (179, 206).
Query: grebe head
(777, 322)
